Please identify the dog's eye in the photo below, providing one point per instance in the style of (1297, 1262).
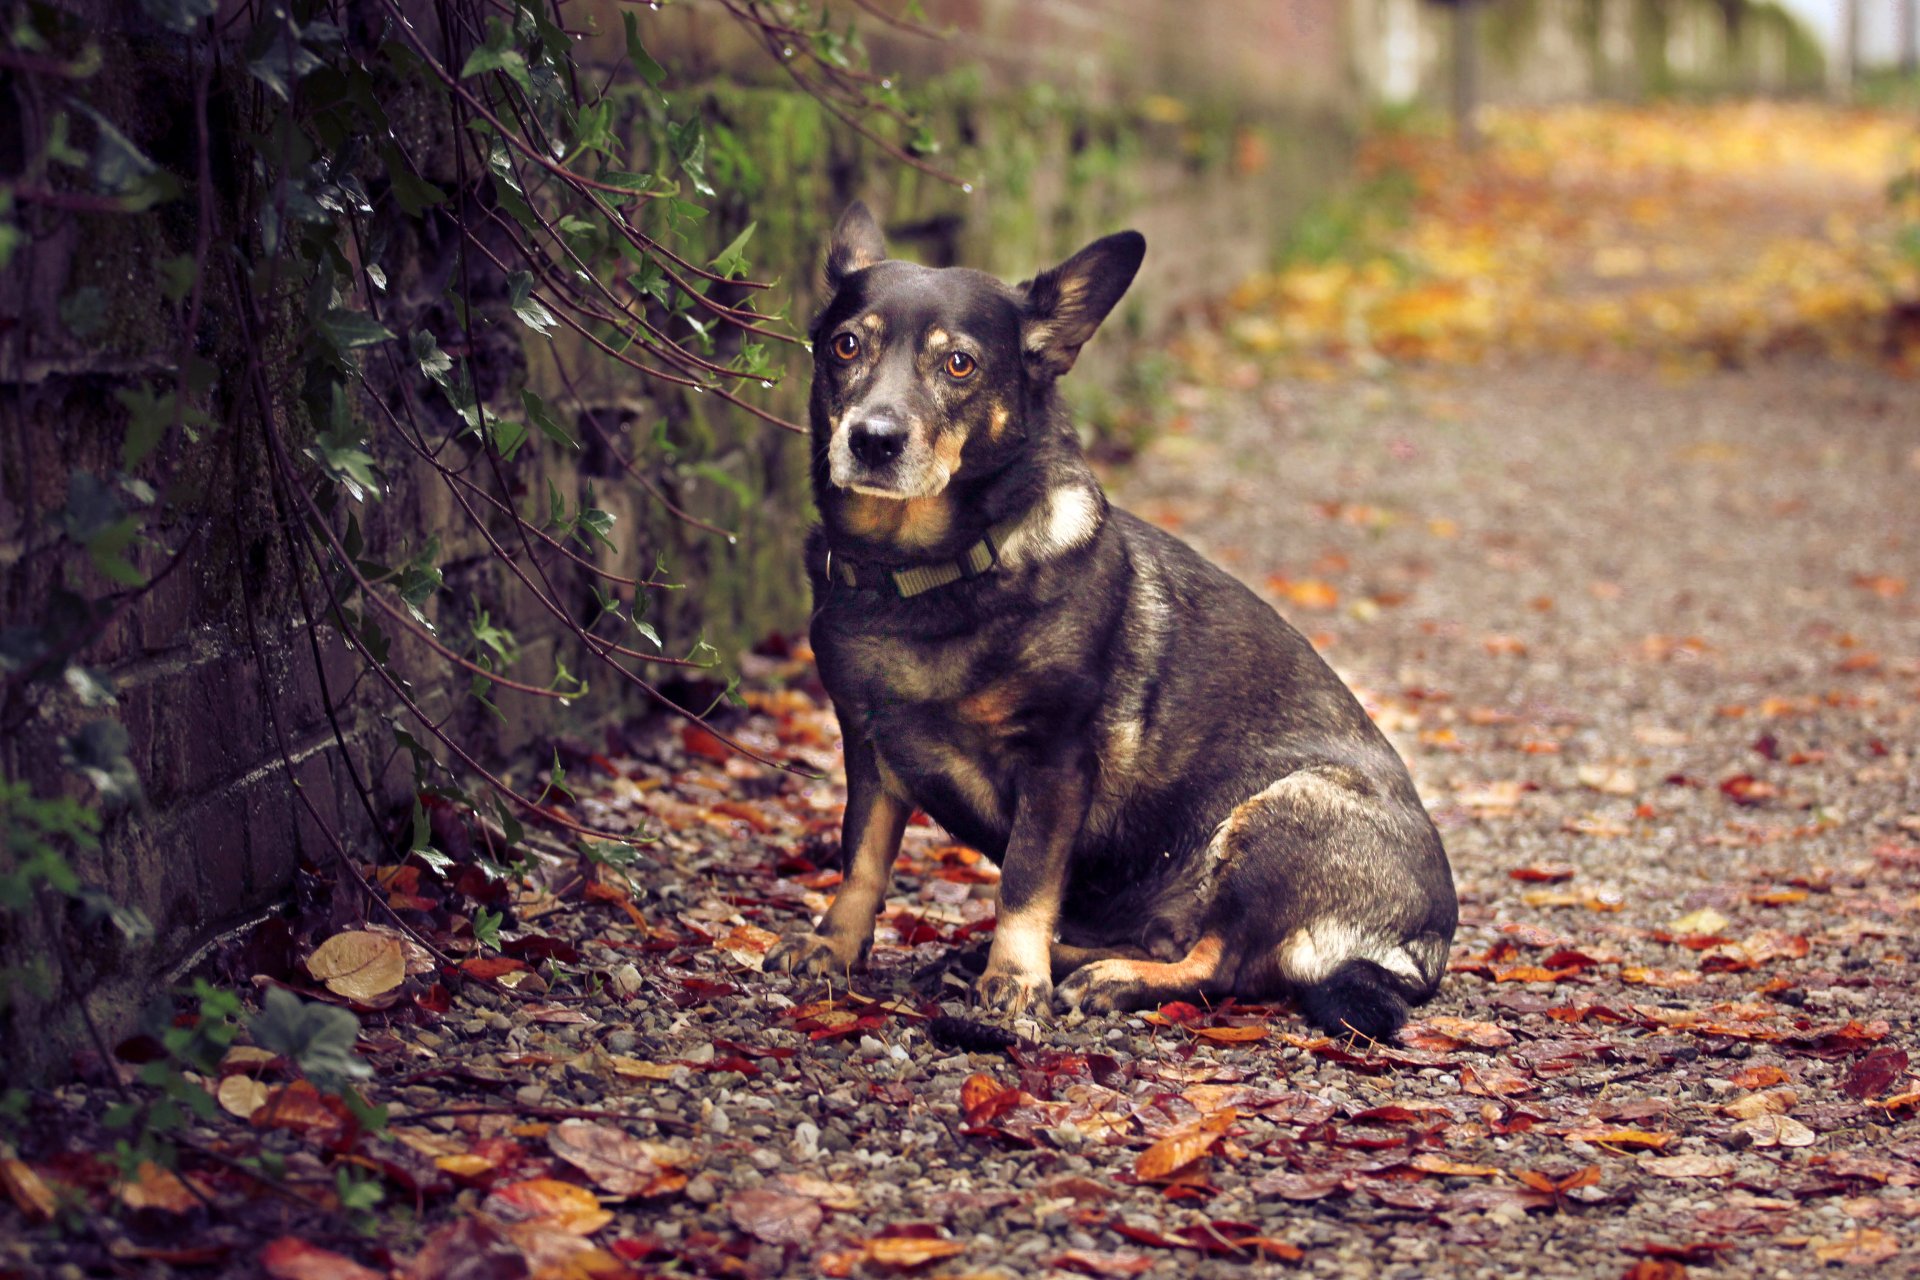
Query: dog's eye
(846, 347)
(960, 365)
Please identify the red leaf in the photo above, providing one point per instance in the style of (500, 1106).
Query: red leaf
(1874, 1074)
(291, 1258)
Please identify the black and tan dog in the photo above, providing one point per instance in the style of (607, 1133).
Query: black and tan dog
(1185, 802)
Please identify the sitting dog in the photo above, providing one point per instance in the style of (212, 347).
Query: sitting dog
(1184, 800)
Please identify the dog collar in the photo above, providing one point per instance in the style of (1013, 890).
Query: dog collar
(921, 578)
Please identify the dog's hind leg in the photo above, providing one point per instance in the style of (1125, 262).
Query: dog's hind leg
(1105, 986)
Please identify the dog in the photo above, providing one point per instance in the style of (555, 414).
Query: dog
(1184, 801)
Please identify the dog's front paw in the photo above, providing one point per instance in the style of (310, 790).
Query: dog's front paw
(1017, 994)
(815, 955)
(1105, 986)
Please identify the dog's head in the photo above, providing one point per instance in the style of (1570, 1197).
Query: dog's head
(922, 376)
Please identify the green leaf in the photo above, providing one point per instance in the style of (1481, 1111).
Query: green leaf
(730, 262)
(508, 436)
(520, 297)
(148, 417)
(497, 54)
(538, 414)
(688, 142)
(415, 194)
(179, 15)
(84, 311)
(319, 1038)
(600, 524)
(434, 362)
(486, 927)
(347, 330)
(650, 71)
(177, 275)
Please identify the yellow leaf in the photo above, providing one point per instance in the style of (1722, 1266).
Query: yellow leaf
(1428, 1162)
(241, 1095)
(359, 964)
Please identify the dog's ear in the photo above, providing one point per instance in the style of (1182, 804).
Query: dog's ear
(856, 245)
(1062, 307)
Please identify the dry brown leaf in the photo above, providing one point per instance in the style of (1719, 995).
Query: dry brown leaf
(641, 1069)
(1869, 1246)
(248, 1058)
(776, 1217)
(291, 1258)
(1643, 1139)
(1773, 1101)
(909, 1251)
(152, 1187)
(1460, 1031)
(747, 944)
(28, 1191)
(1428, 1162)
(1664, 978)
(359, 964)
(1688, 1166)
(617, 1163)
(1172, 1153)
(1231, 1035)
(1775, 1131)
(561, 1205)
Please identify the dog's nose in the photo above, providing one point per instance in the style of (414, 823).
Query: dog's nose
(877, 440)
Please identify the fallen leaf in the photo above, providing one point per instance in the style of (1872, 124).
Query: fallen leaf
(241, 1096)
(910, 1251)
(360, 965)
(1775, 1131)
(1442, 1033)
(1428, 1162)
(775, 1216)
(291, 1258)
(561, 1205)
(1636, 1138)
(1704, 921)
(617, 1163)
(1771, 1102)
(1231, 1035)
(1665, 978)
(1874, 1074)
(1759, 1077)
(1687, 1166)
(1172, 1153)
(1866, 1247)
(28, 1191)
(152, 1187)
(1090, 1262)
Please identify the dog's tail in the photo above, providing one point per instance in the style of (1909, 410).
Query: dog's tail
(1358, 998)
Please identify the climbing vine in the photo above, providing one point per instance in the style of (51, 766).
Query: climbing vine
(370, 220)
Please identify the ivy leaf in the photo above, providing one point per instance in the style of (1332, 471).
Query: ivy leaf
(84, 311)
(347, 330)
(99, 754)
(148, 417)
(520, 297)
(179, 15)
(600, 524)
(538, 414)
(497, 54)
(508, 436)
(688, 141)
(650, 71)
(317, 1037)
(433, 362)
(730, 261)
(415, 194)
(176, 276)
